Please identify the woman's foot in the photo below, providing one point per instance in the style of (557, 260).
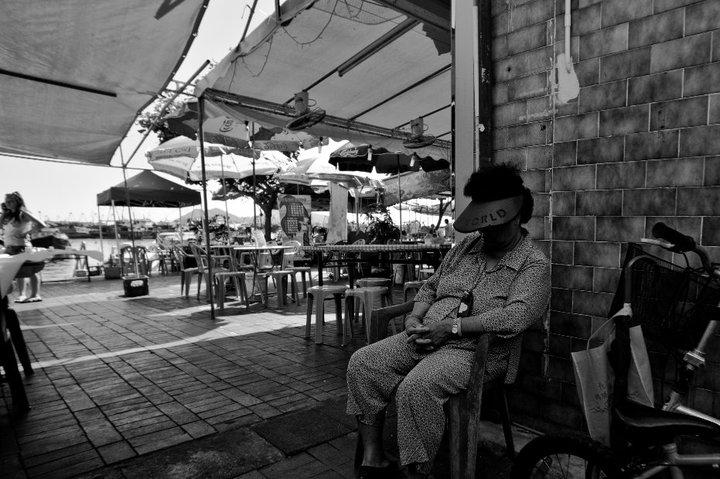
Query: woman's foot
(34, 299)
(22, 299)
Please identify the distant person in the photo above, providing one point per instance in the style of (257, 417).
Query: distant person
(17, 224)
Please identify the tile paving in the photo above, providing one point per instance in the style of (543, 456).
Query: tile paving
(150, 386)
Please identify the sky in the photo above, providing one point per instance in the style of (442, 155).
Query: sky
(63, 192)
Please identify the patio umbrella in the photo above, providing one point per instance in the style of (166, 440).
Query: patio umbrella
(227, 127)
(180, 157)
(319, 169)
(351, 157)
(417, 184)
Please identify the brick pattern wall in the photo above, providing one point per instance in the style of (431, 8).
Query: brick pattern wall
(640, 144)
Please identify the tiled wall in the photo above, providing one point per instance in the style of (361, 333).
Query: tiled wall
(640, 144)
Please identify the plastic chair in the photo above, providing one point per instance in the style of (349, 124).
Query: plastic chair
(320, 294)
(127, 260)
(462, 410)
(220, 275)
(365, 298)
(289, 264)
(186, 272)
(410, 286)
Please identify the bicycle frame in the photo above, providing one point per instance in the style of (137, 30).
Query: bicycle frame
(694, 359)
(672, 460)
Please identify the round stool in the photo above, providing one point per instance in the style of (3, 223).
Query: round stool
(281, 280)
(411, 285)
(320, 294)
(303, 270)
(425, 273)
(365, 297)
(387, 282)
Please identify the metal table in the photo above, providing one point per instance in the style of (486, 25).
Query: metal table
(428, 254)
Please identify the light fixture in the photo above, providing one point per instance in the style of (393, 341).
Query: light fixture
(417, 138)
(305, 117)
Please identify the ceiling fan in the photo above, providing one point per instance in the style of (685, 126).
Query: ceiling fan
(417, 138)
(305, 117)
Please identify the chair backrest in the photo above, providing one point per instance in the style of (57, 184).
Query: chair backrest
(200, 256)
(291, 255)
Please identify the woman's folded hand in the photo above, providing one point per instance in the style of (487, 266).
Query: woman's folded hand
(433, 336)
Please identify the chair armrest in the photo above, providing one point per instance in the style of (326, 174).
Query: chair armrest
(382, 316)
(477, 372)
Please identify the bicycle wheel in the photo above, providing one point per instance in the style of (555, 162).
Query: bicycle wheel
(565, 457)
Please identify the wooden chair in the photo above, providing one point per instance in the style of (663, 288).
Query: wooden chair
(462, 410)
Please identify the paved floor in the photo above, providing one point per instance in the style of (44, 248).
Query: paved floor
(151, 387)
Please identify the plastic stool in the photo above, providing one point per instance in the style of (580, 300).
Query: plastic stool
(303, 270)
(387, 282)
(240, 288)
(281, 278)
(410, 285)
(320, 294)
(366, 298)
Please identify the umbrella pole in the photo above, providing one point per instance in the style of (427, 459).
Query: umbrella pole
(102, 250)
(117, 234)
(252, 125)
(399, 194)
(132, 231)
(209, 282)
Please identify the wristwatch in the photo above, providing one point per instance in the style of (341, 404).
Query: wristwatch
(456, 327)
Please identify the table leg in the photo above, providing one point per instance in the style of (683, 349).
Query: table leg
(13, 325)
(17, 388)
(320, 268)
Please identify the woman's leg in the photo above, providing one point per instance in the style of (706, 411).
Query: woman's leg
(34, 286)
(373, 373)
(420, 400)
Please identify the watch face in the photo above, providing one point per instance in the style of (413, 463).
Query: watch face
(454, 328)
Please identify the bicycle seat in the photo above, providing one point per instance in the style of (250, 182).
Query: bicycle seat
(652, 426)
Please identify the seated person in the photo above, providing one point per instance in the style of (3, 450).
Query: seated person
(494, 281)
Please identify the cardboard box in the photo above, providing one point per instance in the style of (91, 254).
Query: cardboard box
(135, 286)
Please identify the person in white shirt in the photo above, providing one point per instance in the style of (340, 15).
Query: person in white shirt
(17, 224)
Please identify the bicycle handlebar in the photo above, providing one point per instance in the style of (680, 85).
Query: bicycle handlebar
(680, 243)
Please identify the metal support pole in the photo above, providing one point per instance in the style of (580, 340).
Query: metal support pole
(209, 285)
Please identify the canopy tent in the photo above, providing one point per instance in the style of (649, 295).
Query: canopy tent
(370, 67)
(416, 184)
(149, 190)
(75, 76)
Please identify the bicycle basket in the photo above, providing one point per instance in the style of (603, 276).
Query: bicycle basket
(673, 304)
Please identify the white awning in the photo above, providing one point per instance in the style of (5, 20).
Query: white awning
(370, 67)
(75, 74)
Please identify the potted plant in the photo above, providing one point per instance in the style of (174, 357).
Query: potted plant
(381, 227)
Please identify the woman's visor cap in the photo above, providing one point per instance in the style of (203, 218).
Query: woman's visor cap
(482, 214)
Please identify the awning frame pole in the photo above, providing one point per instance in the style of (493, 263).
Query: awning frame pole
(209, 283)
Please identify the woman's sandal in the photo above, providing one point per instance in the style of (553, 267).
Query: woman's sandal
(22, 299)
(370, 472)
(34, 299)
